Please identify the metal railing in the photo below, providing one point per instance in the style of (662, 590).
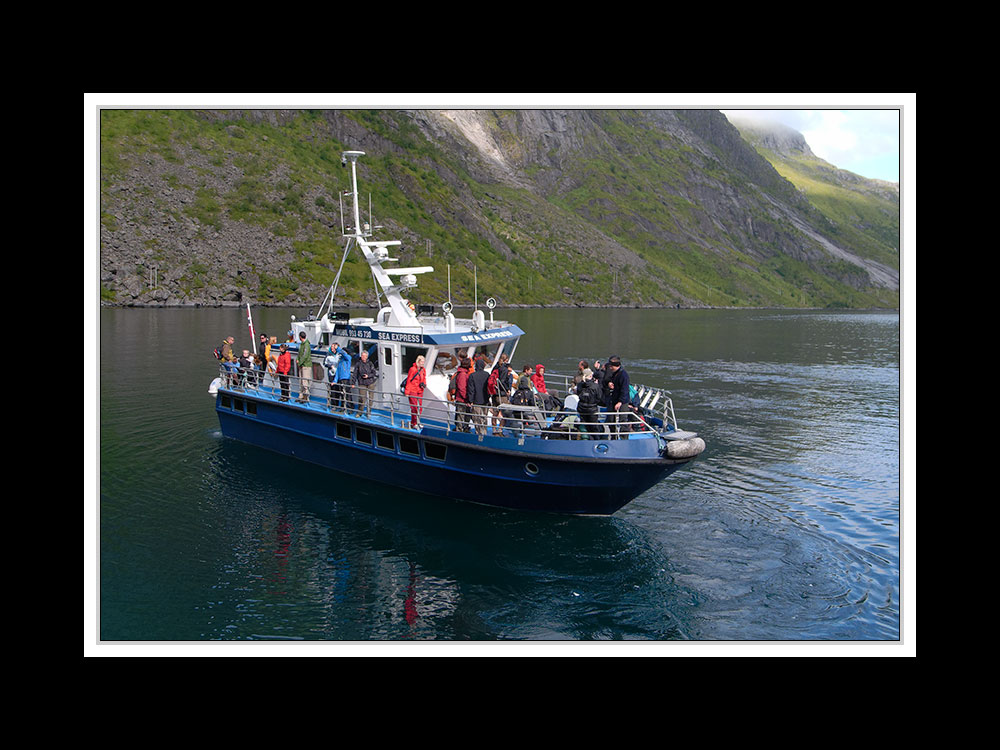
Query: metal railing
(537, 419)
(647, 398)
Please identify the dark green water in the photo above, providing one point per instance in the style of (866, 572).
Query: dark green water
(786, 529)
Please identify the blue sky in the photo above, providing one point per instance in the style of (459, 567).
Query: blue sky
(863, 141)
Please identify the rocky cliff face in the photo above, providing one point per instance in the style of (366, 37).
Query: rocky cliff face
(551, 207)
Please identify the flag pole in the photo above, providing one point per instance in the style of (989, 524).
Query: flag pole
(253, 339)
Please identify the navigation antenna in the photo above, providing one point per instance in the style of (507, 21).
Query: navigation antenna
(401, 313)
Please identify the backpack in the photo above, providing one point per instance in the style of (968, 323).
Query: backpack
(217, 353)
(491, 384)
(406, 382)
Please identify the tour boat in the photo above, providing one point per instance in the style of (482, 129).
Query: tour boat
(541, 457)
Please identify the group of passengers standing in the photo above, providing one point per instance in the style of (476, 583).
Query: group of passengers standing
(479, 396)
(276, 361)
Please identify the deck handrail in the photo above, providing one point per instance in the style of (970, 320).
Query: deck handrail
(533, 421)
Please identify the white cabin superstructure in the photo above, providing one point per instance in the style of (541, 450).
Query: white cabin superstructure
(399, 333)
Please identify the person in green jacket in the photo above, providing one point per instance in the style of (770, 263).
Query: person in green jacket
(305, 367)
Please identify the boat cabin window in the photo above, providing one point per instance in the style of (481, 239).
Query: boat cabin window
(446, 362)
(408, 355)
(489, 353)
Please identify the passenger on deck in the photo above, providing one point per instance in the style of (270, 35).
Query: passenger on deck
(479, 396)
(271, 356)
(338, 364)
(330, 363)
(538, 381)
(305, 367)
(618, 397)
(365, 375)
(589, 405)
(416, 381)
(246, 365)
(227, 349)
(228, 362)
(499, 387)
(463, 409)
(283, 366)
(565, 424)
(523, 396)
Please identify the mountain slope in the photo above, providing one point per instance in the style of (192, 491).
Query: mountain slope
(576, 207)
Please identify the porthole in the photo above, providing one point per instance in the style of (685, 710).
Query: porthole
(601, 447)
(530, 469)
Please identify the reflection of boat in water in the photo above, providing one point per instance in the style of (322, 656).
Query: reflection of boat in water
(539, 458)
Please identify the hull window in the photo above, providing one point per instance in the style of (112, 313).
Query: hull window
(435, 451)
(363, 435)
(385, 441)
(409, 446)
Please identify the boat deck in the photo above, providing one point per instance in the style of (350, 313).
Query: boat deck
(390, 410)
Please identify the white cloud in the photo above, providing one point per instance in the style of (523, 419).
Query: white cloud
(863, 141)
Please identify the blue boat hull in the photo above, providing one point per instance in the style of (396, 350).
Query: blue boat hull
(561, 476)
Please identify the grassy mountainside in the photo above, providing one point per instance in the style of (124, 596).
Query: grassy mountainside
(577, 207)
(863, 214)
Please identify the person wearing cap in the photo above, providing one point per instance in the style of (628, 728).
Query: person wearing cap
(617, 385)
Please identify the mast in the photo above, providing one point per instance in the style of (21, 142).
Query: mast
(376, 252)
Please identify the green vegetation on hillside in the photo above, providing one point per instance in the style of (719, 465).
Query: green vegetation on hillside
(284, 175)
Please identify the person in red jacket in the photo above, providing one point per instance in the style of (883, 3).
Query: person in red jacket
(462, 413)
(538, 379)
(416, 381)
(284, 366)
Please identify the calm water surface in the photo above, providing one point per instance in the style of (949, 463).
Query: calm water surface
(786, 529)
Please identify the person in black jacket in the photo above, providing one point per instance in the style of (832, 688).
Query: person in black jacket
(365, 377)
(617, 385)
(478, 396)
(589, 393)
